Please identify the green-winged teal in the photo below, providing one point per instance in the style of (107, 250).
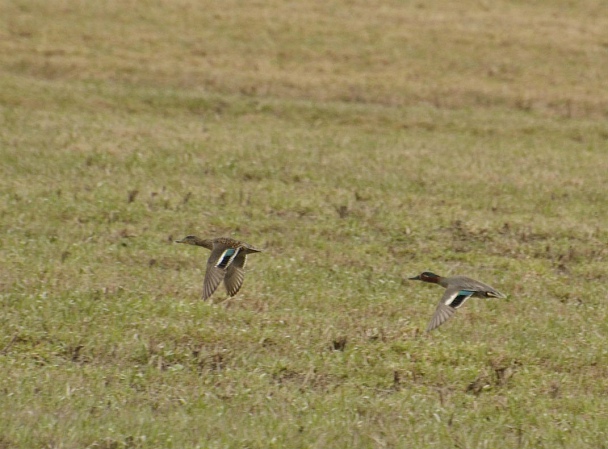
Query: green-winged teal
(458, 290)
(226, 262)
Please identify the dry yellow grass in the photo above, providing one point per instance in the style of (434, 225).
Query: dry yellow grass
(547, 56)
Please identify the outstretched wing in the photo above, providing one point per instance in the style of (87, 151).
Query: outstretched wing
(235, 274)
(452, 299)
(217, 264)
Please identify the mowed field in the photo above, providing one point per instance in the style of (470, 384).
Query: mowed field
(358, 143)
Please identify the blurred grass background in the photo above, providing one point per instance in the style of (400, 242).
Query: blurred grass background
(359, 143)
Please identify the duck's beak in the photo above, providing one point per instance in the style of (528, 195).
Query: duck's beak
(415, 278)
(180, 241)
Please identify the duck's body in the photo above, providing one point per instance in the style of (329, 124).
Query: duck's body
(457, 290)
(226, 262)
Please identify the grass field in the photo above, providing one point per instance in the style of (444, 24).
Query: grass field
(358, 143)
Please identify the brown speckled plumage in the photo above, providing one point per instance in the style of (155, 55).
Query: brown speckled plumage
(226, 262)
(458, 290)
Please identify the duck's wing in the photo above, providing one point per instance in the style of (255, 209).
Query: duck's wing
(452, 299)
(220, 259)
(235, 274)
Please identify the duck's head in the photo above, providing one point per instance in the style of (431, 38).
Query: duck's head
(190, 240)
(426, 276)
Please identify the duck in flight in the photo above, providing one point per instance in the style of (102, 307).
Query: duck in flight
(457, 290)
(226, 262)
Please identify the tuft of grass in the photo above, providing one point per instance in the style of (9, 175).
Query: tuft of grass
(358, 146)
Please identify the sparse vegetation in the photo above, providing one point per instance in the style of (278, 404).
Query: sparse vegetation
(357, 143)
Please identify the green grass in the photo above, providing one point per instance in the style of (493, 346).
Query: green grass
(358, 145)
